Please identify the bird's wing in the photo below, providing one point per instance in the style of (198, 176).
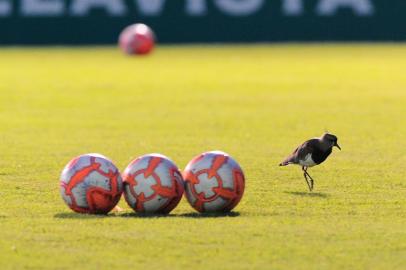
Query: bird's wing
(306, 148)
(300, 152)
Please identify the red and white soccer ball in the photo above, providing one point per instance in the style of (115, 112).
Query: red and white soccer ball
(153, 184)
(214, 182)
(91, 184)
(137, 39)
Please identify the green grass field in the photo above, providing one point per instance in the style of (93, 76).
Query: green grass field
(255, 102)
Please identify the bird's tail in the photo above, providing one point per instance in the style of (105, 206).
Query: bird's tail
(287, 161)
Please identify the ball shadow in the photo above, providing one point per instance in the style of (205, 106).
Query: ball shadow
(209, 215)
(308, 194)
(140, 215)
(72, 215)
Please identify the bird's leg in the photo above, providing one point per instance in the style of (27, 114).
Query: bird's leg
(305, 177)
(311, 179)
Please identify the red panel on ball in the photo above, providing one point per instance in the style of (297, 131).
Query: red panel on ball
(137, 39)
(91, 184)
(214, 182)
(153, 184)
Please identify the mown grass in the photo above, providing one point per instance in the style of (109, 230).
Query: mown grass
(254, 102)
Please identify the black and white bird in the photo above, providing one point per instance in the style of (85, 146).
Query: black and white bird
(311, 153)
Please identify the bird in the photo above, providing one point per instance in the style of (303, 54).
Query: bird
(311, 153)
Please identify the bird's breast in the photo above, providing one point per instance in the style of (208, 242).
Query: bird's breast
(320, 156)
(307, 161)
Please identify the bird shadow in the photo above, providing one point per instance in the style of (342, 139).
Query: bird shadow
(309, 194)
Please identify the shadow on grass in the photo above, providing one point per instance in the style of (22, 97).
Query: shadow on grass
(308, 194)
(139, 215)
(187, 215)
(209, 215)
(110, 215)
(72, 215)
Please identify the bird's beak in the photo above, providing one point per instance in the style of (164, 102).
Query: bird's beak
(336, 145)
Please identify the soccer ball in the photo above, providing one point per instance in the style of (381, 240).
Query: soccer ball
(91, 184)
(153, 184)
(137, 39)
(214, 182)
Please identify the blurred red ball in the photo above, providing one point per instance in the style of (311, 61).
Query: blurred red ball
(137, 39)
